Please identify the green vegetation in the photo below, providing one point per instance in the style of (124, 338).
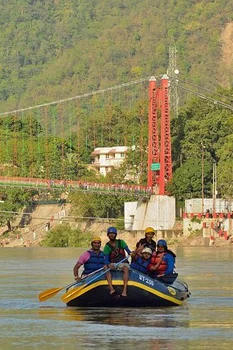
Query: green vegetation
(64, 236)
(203, 134)
(91, 205)
(55, 49)
(12, 201)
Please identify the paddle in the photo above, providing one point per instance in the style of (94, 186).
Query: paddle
(49, 293)
(70, 295)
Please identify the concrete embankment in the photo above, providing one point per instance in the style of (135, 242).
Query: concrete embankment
(39, 222)
(46, 217)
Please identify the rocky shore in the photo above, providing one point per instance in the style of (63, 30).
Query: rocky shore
(131, 238)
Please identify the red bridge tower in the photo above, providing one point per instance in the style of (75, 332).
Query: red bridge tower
(159, 143)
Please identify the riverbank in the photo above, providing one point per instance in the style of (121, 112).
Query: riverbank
(46, 217)
(177, 240)
(187, 241)
(202, 241)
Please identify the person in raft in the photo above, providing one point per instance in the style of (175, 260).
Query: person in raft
(141, 261)
(162, 261)
(147, 241)
(114, 252)
(91, 260)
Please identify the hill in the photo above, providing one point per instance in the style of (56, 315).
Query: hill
(55, 49)
(52, 49)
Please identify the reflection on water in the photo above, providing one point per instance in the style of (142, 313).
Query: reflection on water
(205, 322)
(164, 317)
(112, 328)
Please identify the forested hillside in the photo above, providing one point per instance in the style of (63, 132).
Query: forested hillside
(55, 49)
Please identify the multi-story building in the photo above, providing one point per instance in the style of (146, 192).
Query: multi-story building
(107, 158)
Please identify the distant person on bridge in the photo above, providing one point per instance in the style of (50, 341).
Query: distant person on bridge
(114, 252)
(147, 241)
(92, 260)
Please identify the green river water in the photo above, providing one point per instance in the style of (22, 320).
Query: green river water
(204, 322)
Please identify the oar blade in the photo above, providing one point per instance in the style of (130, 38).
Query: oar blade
(71, 294)
(49, 293)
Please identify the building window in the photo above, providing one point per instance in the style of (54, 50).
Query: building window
(122, 155)
(107, 156)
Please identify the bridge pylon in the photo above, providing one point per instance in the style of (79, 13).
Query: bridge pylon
(159, 138)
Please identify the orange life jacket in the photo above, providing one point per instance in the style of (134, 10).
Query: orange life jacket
(155, 260)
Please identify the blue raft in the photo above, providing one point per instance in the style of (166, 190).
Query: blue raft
(143, 291)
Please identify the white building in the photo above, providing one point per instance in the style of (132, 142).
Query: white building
(107, 158)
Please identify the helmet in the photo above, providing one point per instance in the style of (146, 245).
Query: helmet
(149, 230)
(112, 230)
(162, 242)
(146, 250)
(96, 238)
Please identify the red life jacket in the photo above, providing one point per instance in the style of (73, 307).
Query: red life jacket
(155, 260)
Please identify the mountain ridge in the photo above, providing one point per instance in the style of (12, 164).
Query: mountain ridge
(56, 49)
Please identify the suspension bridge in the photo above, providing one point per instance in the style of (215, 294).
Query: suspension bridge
(49, 145)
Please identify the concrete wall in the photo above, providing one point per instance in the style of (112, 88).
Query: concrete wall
(208, 225)
(158, 212)
(194, 205)
(129, 210)
(190, 226)
(132, 237)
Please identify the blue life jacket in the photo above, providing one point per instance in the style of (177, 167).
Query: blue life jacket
(140, 264)
(95, 262)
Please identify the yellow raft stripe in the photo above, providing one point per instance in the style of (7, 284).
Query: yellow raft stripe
(130, 283)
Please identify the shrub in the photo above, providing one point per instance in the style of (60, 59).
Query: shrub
(64, 236)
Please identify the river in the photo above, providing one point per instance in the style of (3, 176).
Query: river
(204, 322)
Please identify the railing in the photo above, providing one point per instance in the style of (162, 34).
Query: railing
(75, 185)
(208, 215)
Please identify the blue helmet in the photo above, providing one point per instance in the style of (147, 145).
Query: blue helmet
(112, 230)
(162, 242)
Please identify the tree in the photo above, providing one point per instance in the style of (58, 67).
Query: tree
(225, 168)
(64, 236)
(187, 180)
(201, 130)
(13, 200)
(88, 204)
